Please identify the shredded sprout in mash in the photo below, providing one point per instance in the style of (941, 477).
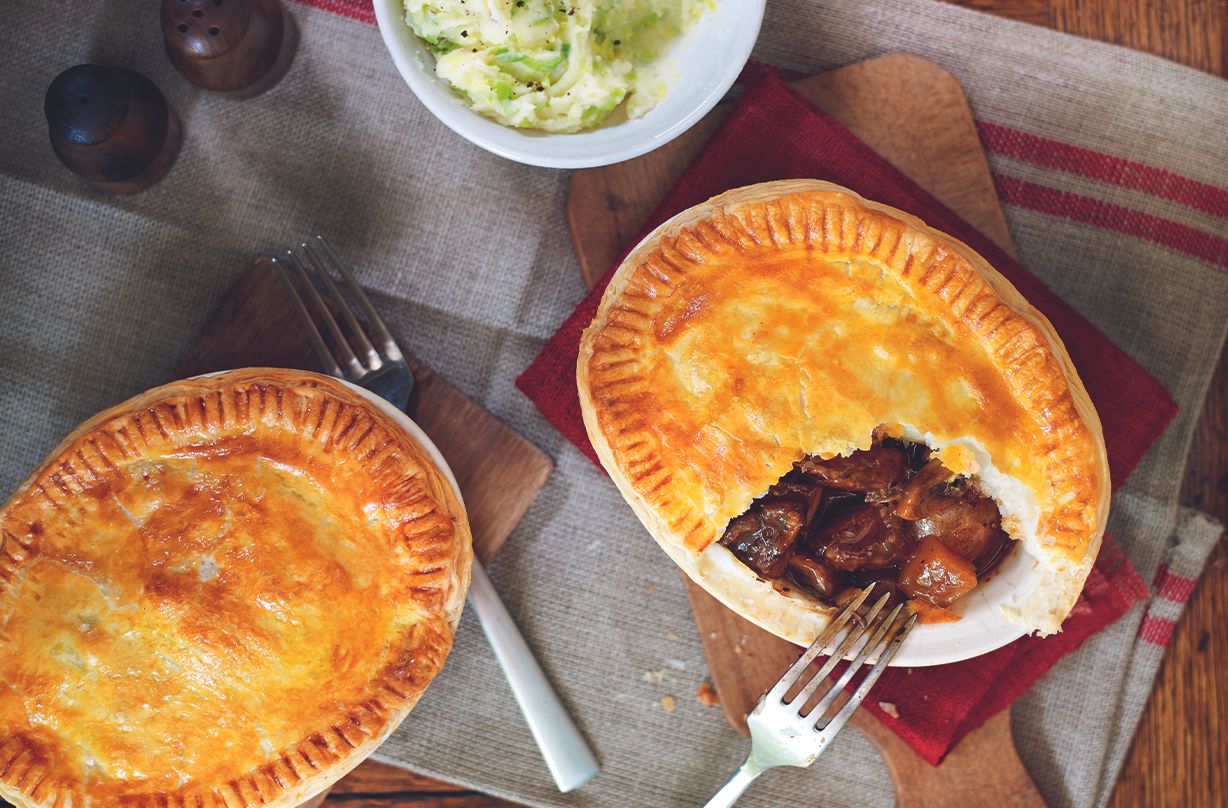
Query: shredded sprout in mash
(555, 65)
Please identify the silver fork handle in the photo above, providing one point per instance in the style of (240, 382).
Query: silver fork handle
(564, 749)
(737, 784)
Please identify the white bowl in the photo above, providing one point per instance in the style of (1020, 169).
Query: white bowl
(700, 68)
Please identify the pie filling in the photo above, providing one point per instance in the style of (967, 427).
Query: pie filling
(892, 514)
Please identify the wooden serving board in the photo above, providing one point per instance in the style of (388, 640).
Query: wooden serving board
(914, 113)
(499, 472)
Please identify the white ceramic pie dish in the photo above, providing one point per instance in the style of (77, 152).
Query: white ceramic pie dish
(703, 64)
(679, 412)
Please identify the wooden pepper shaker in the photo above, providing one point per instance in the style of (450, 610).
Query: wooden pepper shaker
(112, 127)
(232, 48)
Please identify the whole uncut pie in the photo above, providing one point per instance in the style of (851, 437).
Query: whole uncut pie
(224, 592)
(800, 392)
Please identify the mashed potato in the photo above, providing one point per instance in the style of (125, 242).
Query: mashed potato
(555, 65)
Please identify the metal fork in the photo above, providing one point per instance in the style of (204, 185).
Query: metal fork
(782, 731)
(379, 366)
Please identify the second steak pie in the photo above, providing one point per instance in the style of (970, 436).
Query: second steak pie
(226, 591)
(800, 391)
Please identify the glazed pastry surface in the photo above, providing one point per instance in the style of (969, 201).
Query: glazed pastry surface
(229, 589)
(795, 318)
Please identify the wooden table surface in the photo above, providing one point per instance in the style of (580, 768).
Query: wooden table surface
(1180, 756)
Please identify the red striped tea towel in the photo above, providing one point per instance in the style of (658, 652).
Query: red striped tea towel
(937, 706)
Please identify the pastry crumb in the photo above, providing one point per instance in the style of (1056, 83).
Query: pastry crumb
(667, 703)
(669, 635)
(889, 708)
(711, 635)
(650, 589)
(707, 694)
(654, 676)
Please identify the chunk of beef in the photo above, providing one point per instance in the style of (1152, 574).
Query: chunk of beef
(936, 574)
(864, 470)
(801, 488)
(929, 491)
(763, 538)
(860, 537)
(971, 527)
(813, 576)
(999, 545)
(834, 501)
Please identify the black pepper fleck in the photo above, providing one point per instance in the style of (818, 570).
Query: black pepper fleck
(618, 42)
(464, 33)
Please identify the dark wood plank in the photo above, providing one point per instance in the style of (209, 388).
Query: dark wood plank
(1186, 31)
(1038, 12)
(1192, 32)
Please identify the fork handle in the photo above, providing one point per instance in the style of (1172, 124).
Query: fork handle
(741, 780)
(564, 749)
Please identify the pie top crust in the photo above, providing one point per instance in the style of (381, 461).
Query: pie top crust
(225, 591)
(794, 318)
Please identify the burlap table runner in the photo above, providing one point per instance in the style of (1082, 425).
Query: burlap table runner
(1110, 163)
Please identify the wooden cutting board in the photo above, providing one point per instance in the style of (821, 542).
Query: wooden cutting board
(499, 472)
(914, 113)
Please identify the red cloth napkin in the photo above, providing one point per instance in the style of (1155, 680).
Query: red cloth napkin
(773, 134)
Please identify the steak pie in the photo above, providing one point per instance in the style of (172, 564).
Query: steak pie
(800, 391)
(224, 592)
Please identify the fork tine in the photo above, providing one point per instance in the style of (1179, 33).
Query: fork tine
(377, 324)
(850, 640)
(312, 258)
(313, 334)
(843, 715)
(353, 369)
(828, 634)
(833, 692)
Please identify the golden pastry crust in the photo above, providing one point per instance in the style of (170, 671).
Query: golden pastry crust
(793, 318)
(224, 592)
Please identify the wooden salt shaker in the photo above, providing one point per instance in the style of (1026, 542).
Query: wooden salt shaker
(112, 127)
(232, 48)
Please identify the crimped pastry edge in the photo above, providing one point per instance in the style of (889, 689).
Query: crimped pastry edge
(21, 778)
(799, 618)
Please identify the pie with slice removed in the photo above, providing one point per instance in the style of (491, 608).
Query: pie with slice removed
(801, 392)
